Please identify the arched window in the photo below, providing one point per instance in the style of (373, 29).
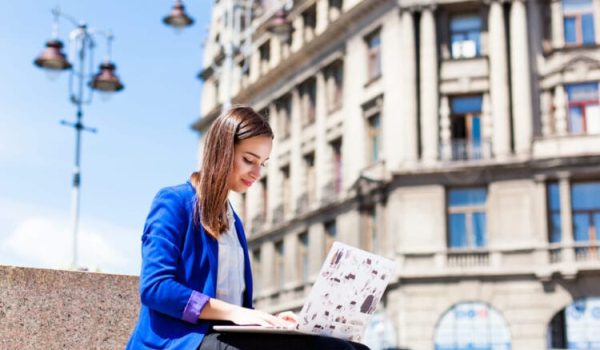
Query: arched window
(576, 326)
(472, 326)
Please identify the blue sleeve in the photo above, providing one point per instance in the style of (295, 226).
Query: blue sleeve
(164, 231)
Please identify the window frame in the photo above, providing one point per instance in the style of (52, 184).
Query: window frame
(468, 211)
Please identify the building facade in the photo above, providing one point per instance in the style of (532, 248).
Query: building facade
(460, 138)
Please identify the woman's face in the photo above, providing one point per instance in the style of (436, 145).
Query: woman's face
(249, 157)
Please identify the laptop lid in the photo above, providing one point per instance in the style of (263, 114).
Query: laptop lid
(346, 292)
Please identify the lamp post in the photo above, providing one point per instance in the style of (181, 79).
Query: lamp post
(82, 43)
(236, 38)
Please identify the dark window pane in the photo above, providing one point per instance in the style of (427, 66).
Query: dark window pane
(588, 29)
(479, 229)
(555, 228)
(586, 196)
(553, 196)
(458, 231)
(458, 127)
(581, 226)
(476, 130)
(467, 197)
(570, 30)
(463, 105)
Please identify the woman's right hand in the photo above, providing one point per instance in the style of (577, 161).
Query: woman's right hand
(245, 316)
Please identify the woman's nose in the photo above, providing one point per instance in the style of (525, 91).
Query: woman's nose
(255, 171)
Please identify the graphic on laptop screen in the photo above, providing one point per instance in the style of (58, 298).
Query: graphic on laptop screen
(343, 298)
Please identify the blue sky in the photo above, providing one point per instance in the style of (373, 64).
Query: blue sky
(144, 141)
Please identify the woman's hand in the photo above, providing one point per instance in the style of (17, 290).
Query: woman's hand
(245, 316)
(288, 316)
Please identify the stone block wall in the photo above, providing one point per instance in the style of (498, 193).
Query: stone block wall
(55, 309)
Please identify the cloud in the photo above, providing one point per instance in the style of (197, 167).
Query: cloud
(44, 239)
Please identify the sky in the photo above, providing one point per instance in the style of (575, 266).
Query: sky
(144, 140)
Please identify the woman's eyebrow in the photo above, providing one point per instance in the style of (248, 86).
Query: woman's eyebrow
(254, 155)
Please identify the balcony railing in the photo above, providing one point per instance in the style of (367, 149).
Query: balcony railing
(464, 150)
(540, 260)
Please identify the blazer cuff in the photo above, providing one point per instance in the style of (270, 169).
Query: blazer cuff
(194, 306)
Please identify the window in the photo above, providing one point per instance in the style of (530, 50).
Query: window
(575, 326)
(265, 56)
(334, 75)
(279, 265)
(374, 137)
(578, 21)
(465, 32)
(584, 108)
(336, 149)
(371, 234)
(554, 225)
(467, 217)
(308, 98)
(244, 73)
(286, 190)
(309, 18)
(330, 235)
(472, 325)
(585, 203)
(264, 190)
(465, 126)
(284, 114)
(373, 41)
(256, 269)
(303, 259)
(310, 176)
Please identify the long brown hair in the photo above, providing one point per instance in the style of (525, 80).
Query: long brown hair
(230, 128)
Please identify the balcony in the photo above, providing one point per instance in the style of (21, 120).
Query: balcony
(542, 261)
(465, 150)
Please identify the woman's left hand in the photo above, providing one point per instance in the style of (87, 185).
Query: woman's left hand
(288, 316)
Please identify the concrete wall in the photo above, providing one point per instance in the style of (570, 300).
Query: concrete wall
(52, 309)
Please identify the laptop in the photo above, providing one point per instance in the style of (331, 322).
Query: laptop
(343, 298)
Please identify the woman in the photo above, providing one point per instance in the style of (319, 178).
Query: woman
(195, 265)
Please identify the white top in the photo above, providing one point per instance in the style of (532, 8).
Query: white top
(230, 271)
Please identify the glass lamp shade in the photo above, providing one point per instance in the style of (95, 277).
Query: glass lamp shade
(178, 18)
(106, 80)
(52, 57)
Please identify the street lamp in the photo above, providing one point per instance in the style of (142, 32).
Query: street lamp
(82, 44)
(235, 37)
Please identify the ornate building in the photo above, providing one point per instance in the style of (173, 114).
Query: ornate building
(460, 138)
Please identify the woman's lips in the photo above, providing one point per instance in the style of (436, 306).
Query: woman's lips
(247, 183)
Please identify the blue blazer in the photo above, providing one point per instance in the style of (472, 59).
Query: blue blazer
(179, 273)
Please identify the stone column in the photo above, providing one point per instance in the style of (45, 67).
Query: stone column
(487, 126)
(273, 174)
(560, 110)
(545, 106)
(558, 34)
(321, 152)
(499, 81)
(322, 16)
(409, 87)
(522, 109)
(566, 219)
(296, 166)
(445, 136)
(429, 86)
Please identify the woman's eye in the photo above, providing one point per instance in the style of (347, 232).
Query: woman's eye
(247, 161)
